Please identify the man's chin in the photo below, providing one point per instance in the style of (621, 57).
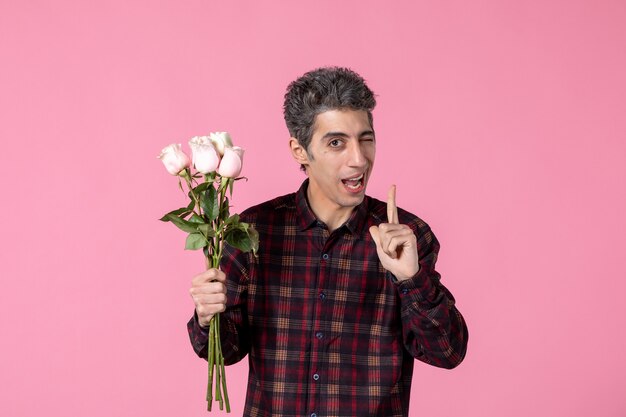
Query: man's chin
(354, 199)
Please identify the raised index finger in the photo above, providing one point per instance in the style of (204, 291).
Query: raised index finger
(392, 210)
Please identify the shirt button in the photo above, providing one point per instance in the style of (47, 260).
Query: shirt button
(316, 377)
(313, 415)
(319, 335)
(325, 256)
(322, 296)
(405, 291)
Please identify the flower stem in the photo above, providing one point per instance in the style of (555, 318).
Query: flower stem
(213, 257)
(222, 370)
(188, 179)
(218, 354)
(211, 359)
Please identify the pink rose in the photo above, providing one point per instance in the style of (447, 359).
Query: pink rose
(221, 141)
(232, 162)
(174, 159)
(205, 156)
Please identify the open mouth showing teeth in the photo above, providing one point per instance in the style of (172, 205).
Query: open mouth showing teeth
(354, 183)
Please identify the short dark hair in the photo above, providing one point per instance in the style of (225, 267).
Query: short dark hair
(320, 90)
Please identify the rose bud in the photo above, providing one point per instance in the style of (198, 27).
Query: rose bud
(221, 141)
(232, 162)
(205, 156)
(174, 159)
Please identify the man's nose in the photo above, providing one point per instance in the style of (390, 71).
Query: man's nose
(356, 155)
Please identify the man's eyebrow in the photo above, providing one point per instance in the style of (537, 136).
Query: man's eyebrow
(334, 134)
(345, 135)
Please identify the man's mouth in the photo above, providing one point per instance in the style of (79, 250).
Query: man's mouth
(354, 184)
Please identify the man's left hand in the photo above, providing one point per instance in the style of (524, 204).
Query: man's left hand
(396, 244)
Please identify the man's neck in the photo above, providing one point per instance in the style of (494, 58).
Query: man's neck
(331, 215)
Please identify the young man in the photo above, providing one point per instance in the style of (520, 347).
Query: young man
(343, 294)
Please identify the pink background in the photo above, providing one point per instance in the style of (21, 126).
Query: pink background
(501, 122)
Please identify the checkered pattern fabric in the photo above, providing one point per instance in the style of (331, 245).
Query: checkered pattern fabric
(327, 331)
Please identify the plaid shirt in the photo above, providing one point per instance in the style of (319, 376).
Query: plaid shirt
(327, 331)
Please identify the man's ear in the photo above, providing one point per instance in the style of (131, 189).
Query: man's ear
(298, 152)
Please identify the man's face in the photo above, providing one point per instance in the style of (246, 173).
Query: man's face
(340, 159)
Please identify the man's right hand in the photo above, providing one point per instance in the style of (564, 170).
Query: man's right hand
(209, 294)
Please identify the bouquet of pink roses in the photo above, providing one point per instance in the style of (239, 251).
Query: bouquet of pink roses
(208, 222)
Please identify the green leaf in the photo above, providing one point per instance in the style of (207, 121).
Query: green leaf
(254, 238)
(223, 183)
(195, 241)
(182, 224)
(178, 212)
(196, 219)
(210, 204)
(197, 191)
(239, 239)
(243, 237)
(234, 220)
(231, 183)
(206, 230)
(231, 222)
(200, 188)
(202, 226)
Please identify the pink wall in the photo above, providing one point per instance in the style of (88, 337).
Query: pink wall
(501, 122)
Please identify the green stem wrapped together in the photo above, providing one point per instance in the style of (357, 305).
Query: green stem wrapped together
(208, 221)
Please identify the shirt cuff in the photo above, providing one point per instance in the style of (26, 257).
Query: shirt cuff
(418, 288)
(199, 335)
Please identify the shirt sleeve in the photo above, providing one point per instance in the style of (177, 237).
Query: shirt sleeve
(233, 322)
(198, 336)
(433, 329)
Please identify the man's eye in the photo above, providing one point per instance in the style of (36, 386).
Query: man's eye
(334, 143)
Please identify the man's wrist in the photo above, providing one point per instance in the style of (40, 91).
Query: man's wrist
(204, 329)
(400, 278)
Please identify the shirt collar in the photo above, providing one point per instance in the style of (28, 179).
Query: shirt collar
(307, 219)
